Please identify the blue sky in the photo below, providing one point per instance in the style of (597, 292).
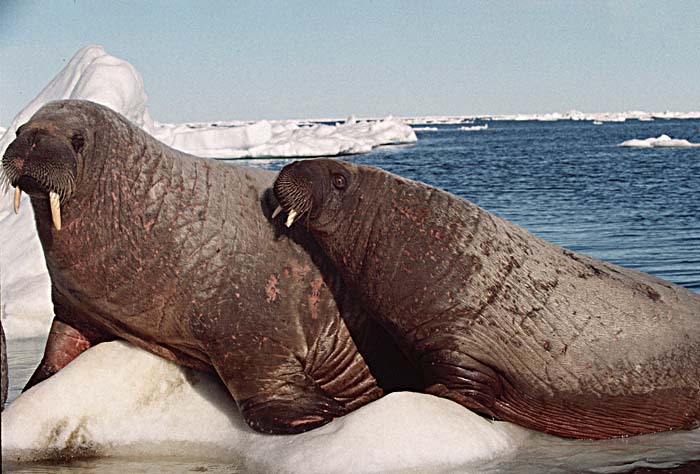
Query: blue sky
(220, 60)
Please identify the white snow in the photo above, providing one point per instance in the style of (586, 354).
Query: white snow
(474, 128)
(425, 129)
(92, 74)
(286, 138)
(143, 405)
(662, 141)
(118, 400)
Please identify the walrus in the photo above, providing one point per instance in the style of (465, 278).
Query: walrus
(174, 254)
(497, 319)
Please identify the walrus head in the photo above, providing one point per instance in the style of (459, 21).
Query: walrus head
(45, 158)
(305, 187)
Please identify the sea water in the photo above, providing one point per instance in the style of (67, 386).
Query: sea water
(565, 181)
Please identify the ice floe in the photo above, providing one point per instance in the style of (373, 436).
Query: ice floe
(473, 128)
(117, 400)
(286, 138)
(439, 120)
(662, 141)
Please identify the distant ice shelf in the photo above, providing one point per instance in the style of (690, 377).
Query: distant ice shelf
(574, 115)
(473, 128)
(662, 141)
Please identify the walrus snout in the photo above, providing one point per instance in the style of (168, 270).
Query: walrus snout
(41, 164)
(293, 189)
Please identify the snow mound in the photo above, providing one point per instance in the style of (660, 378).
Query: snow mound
(147, 406)
(662, 141)
(119, 401)
(94, 75)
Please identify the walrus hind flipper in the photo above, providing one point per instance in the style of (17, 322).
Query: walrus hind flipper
(462, 379)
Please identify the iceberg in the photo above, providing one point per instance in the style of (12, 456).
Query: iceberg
(93, 74)
(662, 141)
(288, 138)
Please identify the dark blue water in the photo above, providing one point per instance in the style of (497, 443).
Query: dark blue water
(570, 183)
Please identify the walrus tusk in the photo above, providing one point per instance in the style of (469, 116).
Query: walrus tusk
(55, 209)
(18, 196)
(290, 218)
(277, 212)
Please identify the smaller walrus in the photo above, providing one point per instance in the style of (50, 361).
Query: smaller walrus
(497, 319)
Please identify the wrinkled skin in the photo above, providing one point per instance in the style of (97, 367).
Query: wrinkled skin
(499, 320)
(174, 254)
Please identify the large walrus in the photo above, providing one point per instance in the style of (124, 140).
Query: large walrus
(174, 254)
(497, 319)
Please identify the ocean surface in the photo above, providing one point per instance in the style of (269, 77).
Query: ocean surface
(567, 182)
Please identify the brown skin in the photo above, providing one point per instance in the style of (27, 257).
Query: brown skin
(173, 253)
(499, 320)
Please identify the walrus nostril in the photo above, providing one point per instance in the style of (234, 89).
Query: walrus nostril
(18, 163)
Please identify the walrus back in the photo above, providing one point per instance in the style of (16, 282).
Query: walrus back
(514, 326)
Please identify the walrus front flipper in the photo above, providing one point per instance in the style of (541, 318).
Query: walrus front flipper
(302, 409)
(274, 394)
(64, 344)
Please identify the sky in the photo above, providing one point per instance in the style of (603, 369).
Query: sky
(226, 60)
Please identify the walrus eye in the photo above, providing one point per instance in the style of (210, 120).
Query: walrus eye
(78, 142)
(339, 181)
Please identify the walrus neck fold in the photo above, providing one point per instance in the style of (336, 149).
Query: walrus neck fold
(354, 233)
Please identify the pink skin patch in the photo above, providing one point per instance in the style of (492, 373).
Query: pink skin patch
(271, 288)
(307, 419)
(65, 343)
